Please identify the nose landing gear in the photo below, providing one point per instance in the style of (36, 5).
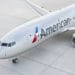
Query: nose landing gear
(15, 60)
(73, 40)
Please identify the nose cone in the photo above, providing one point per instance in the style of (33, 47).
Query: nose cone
(2, 53)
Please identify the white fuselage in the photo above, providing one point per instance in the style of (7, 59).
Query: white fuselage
(32, 33)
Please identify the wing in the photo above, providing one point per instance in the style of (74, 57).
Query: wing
(69, 29)
(38, 9)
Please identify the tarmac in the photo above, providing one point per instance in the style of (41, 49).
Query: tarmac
(55, 56)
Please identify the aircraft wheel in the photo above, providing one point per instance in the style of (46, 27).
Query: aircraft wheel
(15, 60)
(73, 40)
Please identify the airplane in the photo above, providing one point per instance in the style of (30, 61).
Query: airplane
(32, 33)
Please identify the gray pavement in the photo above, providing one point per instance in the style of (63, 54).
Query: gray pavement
(55, 56)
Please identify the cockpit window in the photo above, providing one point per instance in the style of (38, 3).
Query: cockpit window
(7, 44)
(11, 44)
(4, 44)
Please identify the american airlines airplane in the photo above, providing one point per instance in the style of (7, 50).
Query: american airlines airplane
(34, 32)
